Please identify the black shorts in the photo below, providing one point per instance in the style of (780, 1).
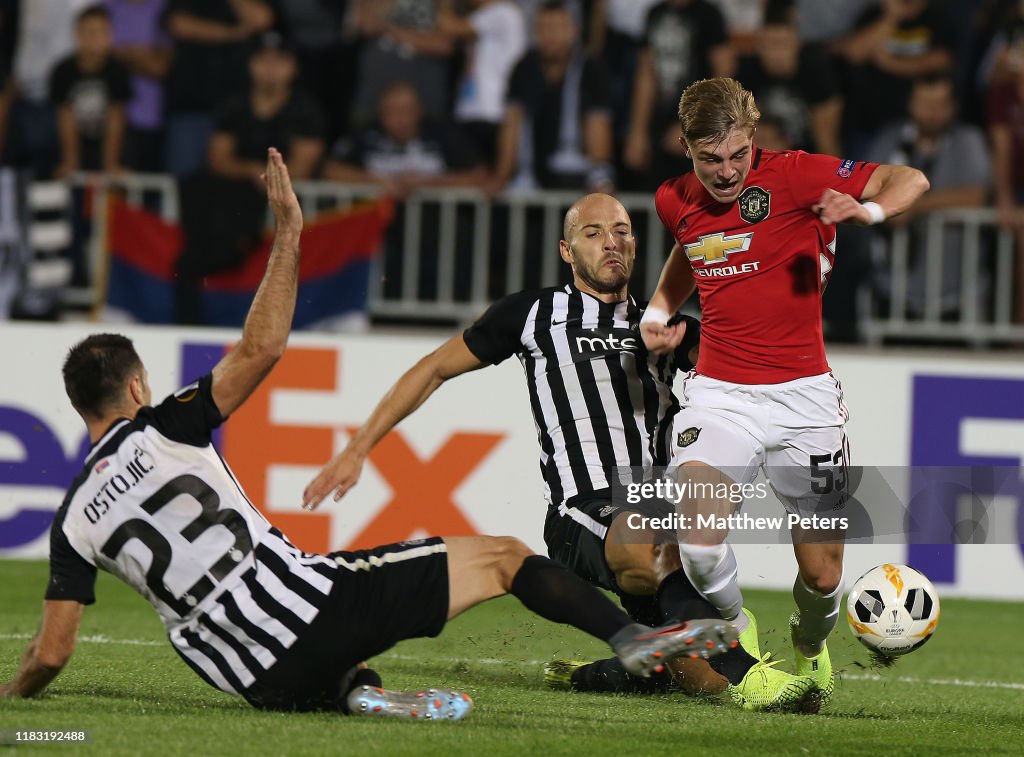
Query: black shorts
(575, 533)
(380, 597)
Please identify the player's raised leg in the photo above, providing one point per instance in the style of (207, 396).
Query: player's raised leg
(809, 474)
(711, 565)
(818, 592)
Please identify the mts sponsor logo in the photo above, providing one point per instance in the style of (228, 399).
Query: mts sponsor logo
(586, 344)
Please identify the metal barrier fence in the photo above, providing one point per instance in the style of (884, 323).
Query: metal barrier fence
(949, 277)
(952, 277)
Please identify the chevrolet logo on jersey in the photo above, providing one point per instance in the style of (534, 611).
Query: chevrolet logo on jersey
(716, 248)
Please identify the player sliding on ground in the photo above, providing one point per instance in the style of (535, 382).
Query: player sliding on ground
(157, 506)
(602, 405)
(755, 233)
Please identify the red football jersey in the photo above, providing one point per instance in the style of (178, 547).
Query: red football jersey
(761, 263)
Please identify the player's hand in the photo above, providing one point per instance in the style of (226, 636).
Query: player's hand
(280, 195)
(338, 476)
(661, 339)
(836, 207)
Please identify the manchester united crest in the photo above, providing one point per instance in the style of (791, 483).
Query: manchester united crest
(755, 204)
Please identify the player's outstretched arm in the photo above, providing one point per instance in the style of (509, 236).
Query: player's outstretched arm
(451, 359)
(49, 650)
(266, 329)
(889, 192)
(674, 287)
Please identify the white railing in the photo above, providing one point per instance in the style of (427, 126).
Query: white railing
(490, 246)
(983, 262)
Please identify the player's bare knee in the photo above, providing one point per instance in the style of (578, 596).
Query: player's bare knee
(666, 560)
(638, 580)
(634, 566)
(507, 556)
(824, 580)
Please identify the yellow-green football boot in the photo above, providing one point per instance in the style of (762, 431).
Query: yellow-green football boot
(818, 667)
(766, 689)
(748, 639)
(558, 673)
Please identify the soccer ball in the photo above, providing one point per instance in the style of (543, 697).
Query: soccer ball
(892, 610)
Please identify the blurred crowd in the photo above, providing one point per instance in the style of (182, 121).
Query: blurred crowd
(508, 95)
(497, 93)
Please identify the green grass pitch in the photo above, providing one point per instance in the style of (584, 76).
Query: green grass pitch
(962, 692)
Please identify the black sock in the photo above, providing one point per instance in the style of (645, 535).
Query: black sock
(366, 677)
(608, 676)
(680, 600)
(551, 591)
(355, 678)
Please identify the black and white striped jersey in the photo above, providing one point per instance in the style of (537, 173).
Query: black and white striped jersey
(602, 404)
(158, 507)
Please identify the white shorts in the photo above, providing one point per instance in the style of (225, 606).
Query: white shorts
(793, 431)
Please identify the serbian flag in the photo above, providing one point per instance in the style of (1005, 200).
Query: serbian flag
(337, 250)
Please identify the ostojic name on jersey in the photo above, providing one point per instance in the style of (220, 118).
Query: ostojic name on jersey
(117, 483)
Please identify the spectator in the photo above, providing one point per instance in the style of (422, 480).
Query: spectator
(1005, 54)
(327, 56)
(496, 33)
(771, 133)
(796, 84)
(616, 36)
(272, 114)
(405, 151)
(401, 42)
(1006, 129)
(829, 22)
(45, 36)
(575, 7)
(7, 38)
(684, 40)
(956, 161)
(6, 95)
(557, 130)
(8, 33)
(223, 212)
(743, 21)
(141, 44)
(211, 44)
(896, 43)
(90, 90)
